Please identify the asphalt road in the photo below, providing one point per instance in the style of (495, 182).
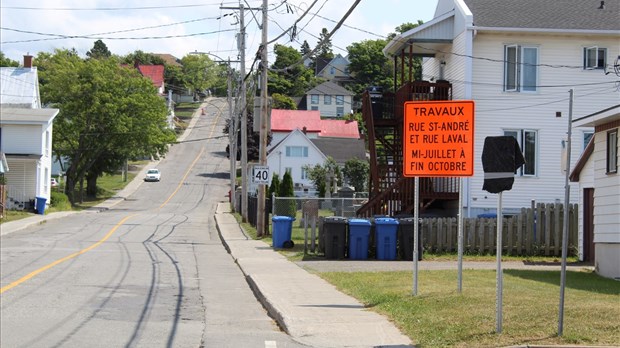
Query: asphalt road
(150, 272)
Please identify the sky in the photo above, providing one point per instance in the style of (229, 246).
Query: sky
(184, 26)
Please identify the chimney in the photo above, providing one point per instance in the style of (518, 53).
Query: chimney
(27, 61)
(304, 130)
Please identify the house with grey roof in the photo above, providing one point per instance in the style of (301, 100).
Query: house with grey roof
(335, 70)
(330, 99)
(25, 136)
(517, 60)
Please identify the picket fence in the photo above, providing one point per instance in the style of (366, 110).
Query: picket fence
(535, 231)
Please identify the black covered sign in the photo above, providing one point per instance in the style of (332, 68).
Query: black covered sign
(501, 157)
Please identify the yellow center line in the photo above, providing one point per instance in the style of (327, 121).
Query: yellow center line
(191, 166)
(69, 257)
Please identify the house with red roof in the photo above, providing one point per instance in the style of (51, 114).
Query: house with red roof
(301, 138)
(155, 73)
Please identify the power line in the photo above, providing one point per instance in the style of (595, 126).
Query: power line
(32, 8)
(111, 38)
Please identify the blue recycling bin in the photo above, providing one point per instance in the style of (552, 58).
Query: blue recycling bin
(359, 232)
(386, 230)
(40, 205)
(282, 230)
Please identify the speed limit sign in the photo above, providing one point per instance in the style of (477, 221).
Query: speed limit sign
(260, 175)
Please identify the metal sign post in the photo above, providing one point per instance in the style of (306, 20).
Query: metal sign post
(499, 273)
(416, 234)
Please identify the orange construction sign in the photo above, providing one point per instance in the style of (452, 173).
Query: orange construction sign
(438, 138)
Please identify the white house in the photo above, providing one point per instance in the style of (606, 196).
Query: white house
(25, 136)
(336, 70)
(330, 99)
(599, 192)
(517, 60)
(293, 153)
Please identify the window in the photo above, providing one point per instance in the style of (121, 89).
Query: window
(316, 108)
(314, 99)
(587, 135)
(520, 68)
(304, 174)
(327, 99)
(296, 151)
(594, 58)
(612, 151)
(528, 142)
(339, 111)
(340, 100)
(47, 143)
(332, 70)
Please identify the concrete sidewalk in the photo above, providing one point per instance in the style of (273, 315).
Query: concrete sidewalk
(309, 309)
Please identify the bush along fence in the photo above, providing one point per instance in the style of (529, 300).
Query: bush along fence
(534, 231)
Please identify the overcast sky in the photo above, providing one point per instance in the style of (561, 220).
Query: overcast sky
(159, 26)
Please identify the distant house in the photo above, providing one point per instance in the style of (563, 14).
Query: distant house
(301, 137)
(156, 74)
(599, 192)
(330, 99)
(169, 59)
(285, 121)
(25, 136)
(335, 70)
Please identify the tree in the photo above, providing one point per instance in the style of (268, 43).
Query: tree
(108, 114)
(369, 66)
(199, 73)
(274, 188)
(5, 61)
(356, 173)
(142, 58)
(293, 82)
(324, 46)
(305, 49)
(280, 101)
(99, 50)
(318, 175)
(288, 208)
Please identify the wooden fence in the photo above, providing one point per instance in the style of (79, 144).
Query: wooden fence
(532, 232)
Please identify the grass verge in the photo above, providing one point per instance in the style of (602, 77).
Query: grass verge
(440, 317)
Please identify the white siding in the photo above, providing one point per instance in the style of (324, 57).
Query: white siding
(278, 161)
(586, 180)
(497, 110)
(606, 195)
(22, 139)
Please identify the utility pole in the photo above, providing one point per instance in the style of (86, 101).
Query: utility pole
(232, 139)
(244, 115)
(264, 115)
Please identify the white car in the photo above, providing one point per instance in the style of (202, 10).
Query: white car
(152, 175)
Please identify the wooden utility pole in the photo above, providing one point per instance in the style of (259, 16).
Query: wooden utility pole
(264, 118)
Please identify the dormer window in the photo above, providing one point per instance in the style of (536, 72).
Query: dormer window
(594, 58)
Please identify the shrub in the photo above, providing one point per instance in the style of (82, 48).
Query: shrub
(59, 201)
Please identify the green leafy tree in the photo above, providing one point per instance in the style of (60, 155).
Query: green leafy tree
(355, 171)
(288, 208)
(318, 174)
(369, 66)
(293, 82)
(7, 62)
(280, 101)
(99, 50)
(142, 58)
(108, 114)
(199, 73)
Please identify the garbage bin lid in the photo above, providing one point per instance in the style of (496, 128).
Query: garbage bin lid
(340, 219)
(363, 222)
(386, 221)
(282, 218)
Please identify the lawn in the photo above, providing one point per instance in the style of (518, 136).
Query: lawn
(440, 317)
